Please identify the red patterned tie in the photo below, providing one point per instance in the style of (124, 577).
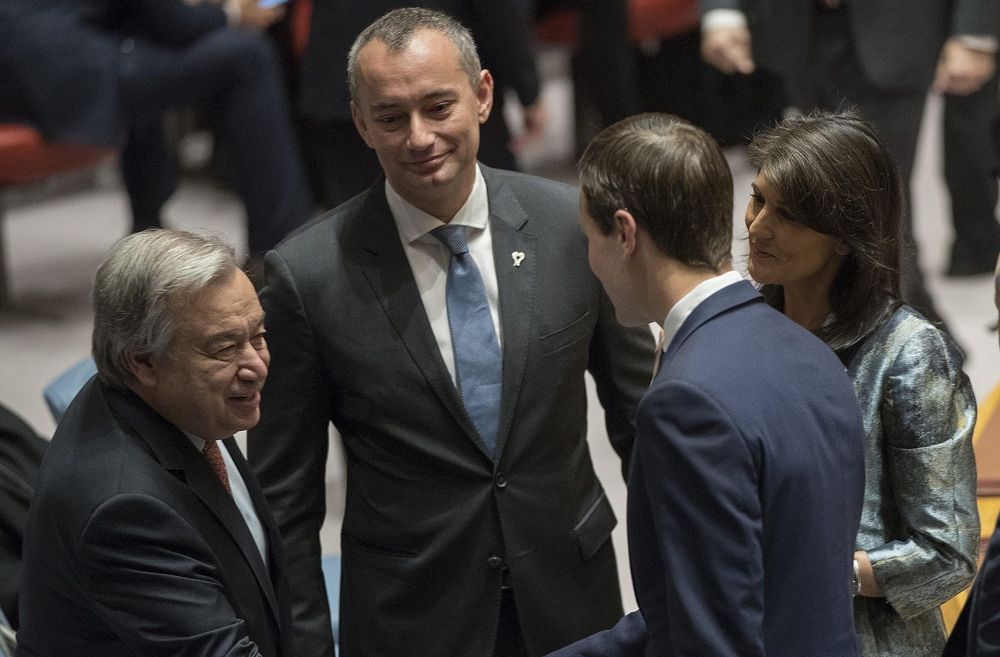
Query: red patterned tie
(658, 354)
(214, 456)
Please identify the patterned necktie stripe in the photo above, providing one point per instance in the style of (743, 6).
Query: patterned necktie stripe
(216, 462)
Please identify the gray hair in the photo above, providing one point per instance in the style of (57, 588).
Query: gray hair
(396, 29)
(137, 288)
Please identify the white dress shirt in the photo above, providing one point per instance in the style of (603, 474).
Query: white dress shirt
(683, 308)
(429, 258)
(241, 495)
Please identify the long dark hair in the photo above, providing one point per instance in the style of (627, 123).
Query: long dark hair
(837, 178)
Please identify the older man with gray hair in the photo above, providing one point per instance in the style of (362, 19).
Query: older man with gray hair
(144, 537)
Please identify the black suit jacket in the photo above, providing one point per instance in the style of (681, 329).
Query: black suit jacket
(977, 630)
(433, 527)
(745, 493)
(897, 41)
(61, 61)
(133, 547)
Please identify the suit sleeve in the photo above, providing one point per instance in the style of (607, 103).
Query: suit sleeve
(503, 33)
(928, 412)
(174, 22)
(986, 634)
(621, 362)
(976, 17)
(700, 479)
(155, 581)
(626, 639)
(288, 451)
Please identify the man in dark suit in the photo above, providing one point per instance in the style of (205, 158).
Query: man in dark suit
(92, 71)
(474, 523)
(879, 55)
(340, 165)
(977, 630)
(744, 494)
(144, 536)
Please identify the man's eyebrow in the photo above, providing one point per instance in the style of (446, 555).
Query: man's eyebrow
(430, 95)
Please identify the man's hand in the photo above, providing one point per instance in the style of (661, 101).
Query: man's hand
(962, 70)
(728, 49)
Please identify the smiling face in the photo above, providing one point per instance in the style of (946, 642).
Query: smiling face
(417, 109)
(208, 383)
(784, 251)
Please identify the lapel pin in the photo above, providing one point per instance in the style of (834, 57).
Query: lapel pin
(518, 256)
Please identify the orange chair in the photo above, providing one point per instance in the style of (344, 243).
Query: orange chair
(25, 158)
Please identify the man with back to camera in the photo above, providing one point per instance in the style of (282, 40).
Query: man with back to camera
(474, 522)
(145, 537)
(744, 495)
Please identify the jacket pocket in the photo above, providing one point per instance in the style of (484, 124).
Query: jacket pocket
(566, 335)
(594, 528)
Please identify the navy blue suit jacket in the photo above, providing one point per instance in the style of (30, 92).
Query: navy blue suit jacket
(744, 495)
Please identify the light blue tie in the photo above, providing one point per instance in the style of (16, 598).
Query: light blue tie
(478, 362)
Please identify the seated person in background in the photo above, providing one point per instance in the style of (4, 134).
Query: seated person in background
(94, 71)
(745, 488)
(145, 537)
(21, 451)
(824, 225)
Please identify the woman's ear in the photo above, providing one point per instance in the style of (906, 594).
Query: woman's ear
(842, 248)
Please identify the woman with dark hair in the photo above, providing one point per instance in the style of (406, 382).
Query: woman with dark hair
(824, 221)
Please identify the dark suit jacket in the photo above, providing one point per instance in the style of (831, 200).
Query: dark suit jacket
(897, 41)
(744, 495)
(61, 60)
(133, 547)
(977, 630)
(501, 29)
(433, 527)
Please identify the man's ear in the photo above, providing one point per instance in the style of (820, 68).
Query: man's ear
(842, 248)
(625, 230)
(484, 95)
(359, 123)
(143, 368)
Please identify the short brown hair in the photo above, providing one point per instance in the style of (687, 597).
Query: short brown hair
(672, 177)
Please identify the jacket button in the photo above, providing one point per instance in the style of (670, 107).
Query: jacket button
(500, 479)
(495, 562)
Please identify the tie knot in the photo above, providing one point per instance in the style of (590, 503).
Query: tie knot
(453, 237)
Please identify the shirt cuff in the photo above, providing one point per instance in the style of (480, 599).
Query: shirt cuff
(716, 18)
(981, 42)
(232, 9)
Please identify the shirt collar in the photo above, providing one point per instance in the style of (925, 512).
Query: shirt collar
(413, 223)
(683, 308)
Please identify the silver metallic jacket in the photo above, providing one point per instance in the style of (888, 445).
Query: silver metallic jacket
(919, 523)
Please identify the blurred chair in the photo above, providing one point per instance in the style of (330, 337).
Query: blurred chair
(62, 389)
(25, 157)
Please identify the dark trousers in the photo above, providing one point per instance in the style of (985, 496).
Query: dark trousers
(837, 81)
(510, 641)
(970, 169)
(235, 78)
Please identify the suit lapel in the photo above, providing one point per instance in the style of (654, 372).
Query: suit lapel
(516, 285)
(387, 270)
(177, 455)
